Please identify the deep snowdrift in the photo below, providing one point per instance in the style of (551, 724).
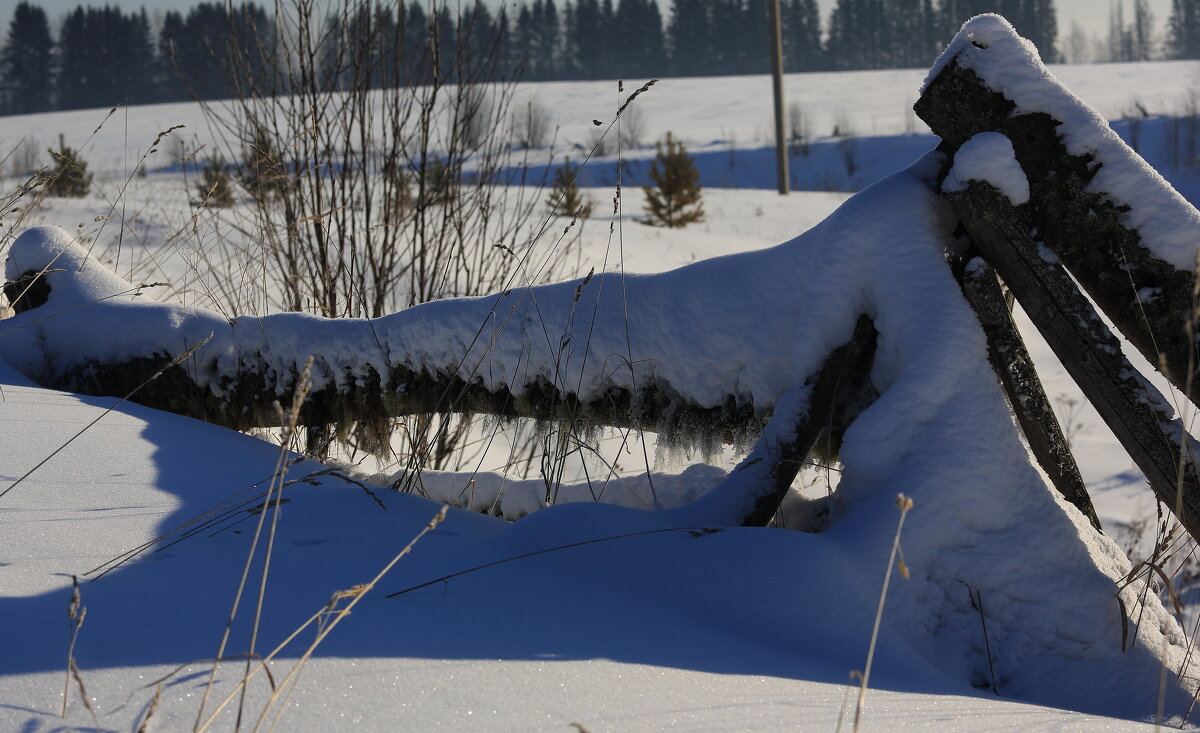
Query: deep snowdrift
(985, 521)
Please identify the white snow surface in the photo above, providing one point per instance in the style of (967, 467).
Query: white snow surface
(989, 157)
(497, 495)
(1010, 65)
(984, 521)
(735, 630)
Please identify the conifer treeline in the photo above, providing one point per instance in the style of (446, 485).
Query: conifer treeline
(104, 56)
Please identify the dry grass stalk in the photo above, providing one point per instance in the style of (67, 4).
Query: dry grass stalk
(76, 612)
(905, 505)
(144, 724)
(272, 497)
(328, 618)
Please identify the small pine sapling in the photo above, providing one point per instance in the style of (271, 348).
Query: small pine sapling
(438, 182)
(674, 200)
(565, 197)
(260, 172)
(216, 184)
(69, 179)
(397, 192)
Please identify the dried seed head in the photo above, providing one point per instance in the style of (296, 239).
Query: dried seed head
(73, 606)
(904, 502)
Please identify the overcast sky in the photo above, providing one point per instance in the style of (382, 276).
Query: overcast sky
(1091, 14)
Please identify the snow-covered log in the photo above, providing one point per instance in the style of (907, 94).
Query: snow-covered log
(438, 358)
(1120, 229)
(693, 354)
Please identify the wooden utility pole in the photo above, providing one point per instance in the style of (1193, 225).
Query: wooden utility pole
(781, 158)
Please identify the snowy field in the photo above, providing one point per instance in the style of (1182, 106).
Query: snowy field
(582, 616)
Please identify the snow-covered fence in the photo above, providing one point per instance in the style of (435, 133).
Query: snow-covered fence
(1043, 186)
(858, 317)
(711, 351)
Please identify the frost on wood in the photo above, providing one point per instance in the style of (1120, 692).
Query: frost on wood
(1119, 228)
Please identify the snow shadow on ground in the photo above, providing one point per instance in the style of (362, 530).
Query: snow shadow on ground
(744, 601)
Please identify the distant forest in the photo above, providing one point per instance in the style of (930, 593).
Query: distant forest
(100, 57)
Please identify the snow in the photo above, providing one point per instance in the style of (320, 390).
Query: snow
(496, 494)
(1009, 64)
(984, 522)
(655, 622)
(989, 157)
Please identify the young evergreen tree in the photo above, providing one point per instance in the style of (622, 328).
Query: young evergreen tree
(215, 187)
(565, 198)
(674, 199)
(70, 178)
(27, 62)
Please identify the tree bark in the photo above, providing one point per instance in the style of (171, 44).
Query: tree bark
(1136, 412)
(1082, 227)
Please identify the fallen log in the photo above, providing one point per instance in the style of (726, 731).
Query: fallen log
(1014, 368)
(363, 376)
(1133, 409)
(521, 353)
(1122, 232)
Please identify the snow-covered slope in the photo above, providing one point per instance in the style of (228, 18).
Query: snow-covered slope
(737, 630)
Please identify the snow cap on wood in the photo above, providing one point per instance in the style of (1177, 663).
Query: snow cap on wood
(1009, 65)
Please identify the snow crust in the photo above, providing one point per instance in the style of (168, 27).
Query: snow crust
(989, 157)
(1008, 64)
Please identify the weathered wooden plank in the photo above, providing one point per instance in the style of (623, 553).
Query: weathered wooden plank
(1026, 396)
(1135, 411)
(1150, 301)
(833, 401)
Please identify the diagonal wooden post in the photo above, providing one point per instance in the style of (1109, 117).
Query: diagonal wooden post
(1014, 367)
(1136, 412)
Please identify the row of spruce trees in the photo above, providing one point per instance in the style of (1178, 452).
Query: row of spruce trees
(101, 56)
